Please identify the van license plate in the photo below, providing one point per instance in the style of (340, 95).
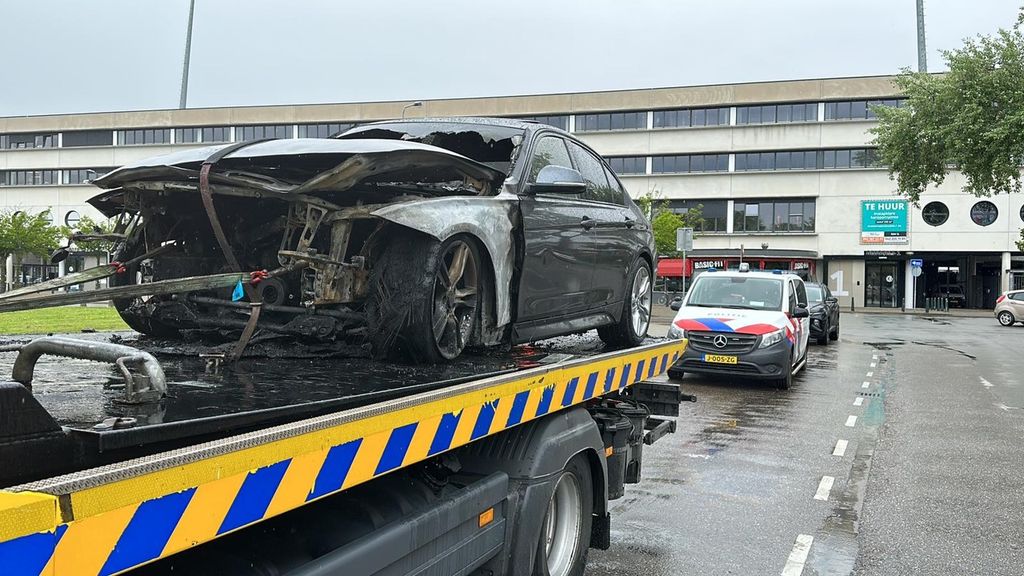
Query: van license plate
(719, 359)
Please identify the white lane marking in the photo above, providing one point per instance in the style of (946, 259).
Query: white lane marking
(824, 487)
(873, 364)
(869, 374)
(874, 356)
(840, 448)
(851, 421)
(795, 563)
(866, 385)
(986, 383)
(858, 401)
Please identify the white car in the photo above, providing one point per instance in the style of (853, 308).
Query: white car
(748, 324)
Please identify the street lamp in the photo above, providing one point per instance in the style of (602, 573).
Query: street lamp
(416, 104)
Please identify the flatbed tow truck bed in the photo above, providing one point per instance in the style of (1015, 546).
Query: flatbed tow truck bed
(235, 445)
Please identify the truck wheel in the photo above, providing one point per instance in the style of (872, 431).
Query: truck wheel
(631, 329)
(565, 531)
(423, 299)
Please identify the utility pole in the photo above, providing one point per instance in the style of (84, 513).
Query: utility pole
(188, 55)
(922, 51)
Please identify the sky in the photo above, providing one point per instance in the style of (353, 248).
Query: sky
(106, 55)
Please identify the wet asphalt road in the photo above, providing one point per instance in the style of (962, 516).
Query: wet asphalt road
(931, 479)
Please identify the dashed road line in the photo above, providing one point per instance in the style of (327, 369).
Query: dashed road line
(874, 364)
(874, 356)
(866, 384)
(851, 421)
(801, 548)
(858, 401)
(985, 383)
(840, 448)
(869, 374)
(824, 487)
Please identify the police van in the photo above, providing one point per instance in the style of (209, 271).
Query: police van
(743, 323)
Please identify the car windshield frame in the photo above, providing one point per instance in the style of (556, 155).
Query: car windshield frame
(748, 293)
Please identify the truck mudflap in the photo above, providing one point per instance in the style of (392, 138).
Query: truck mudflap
(116, 517)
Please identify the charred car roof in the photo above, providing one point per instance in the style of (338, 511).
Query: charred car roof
(310, 165)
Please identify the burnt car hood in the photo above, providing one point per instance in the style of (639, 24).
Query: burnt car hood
(309, 165)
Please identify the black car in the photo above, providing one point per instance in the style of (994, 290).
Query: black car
(416, 237)
(824, 309)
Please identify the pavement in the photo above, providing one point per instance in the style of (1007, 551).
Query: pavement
(897, 451)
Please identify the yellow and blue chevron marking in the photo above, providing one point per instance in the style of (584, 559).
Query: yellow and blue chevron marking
(125, 523)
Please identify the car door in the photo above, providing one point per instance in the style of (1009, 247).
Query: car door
(832, 305)
(801, 326)
(613, 236)
(1017, 305)
(558, 250)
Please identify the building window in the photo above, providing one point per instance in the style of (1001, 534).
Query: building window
(88, 138)
(216, 134)
(713, 213)
(690, 163)
(858, 109)
(777, 113)
(558, 121)
(72, 218)
(781, 215)
(82, 175)
(850, 158)
(29, 178)
(785, 160)
(691, 117)
(628, 164)
(935, 213)
(144, 136)
(323, 130)
(247, 133)
(613, 121)
(17, 141)
(984, 213)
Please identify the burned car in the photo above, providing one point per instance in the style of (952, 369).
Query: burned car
(418, 237)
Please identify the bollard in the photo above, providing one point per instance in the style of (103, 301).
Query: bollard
(853, 308)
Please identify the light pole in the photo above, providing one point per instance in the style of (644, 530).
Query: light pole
(416, 104)
(922, 52)
(188, 56)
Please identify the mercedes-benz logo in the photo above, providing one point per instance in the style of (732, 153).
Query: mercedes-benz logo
(720, 341)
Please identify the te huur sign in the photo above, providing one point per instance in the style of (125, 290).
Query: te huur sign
(883, 221)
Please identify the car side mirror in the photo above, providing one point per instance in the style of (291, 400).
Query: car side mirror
(558, 180)
(801, 312)
(676, 305)
(831, 300)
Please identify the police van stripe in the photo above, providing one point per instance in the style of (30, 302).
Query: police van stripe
(108, 541)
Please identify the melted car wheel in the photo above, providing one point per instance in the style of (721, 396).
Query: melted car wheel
(631, 328)
(423, 301)
(134, 311)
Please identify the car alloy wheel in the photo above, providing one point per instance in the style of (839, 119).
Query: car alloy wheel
(456, 285)
(1005, 318)
(640, 301)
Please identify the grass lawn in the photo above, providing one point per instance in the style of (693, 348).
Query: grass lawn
(66, 319)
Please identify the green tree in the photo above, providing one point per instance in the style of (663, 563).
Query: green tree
(22, 233)
(970, 119)
(664, 221)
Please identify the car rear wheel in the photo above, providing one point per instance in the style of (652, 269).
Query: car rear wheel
(424, 295)
(632, 326)
(1006, 318)
(136, 311)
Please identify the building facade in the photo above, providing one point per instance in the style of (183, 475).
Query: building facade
(783, 172)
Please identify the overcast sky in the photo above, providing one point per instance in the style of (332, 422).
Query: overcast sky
(101, 55)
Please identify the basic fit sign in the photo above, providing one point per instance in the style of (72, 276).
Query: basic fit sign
(883, 222)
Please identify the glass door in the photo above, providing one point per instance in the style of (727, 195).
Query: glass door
(881, 284)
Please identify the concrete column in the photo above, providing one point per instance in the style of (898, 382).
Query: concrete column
(1004, 272)
(729, 216)
(732, 117)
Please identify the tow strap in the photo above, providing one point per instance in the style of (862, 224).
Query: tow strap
(255, 302)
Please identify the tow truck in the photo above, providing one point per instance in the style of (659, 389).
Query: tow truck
(497, 463)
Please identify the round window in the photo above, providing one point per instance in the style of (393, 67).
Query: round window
(984, 213)
(1022, 212)
(935, 213)
(72, 218)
